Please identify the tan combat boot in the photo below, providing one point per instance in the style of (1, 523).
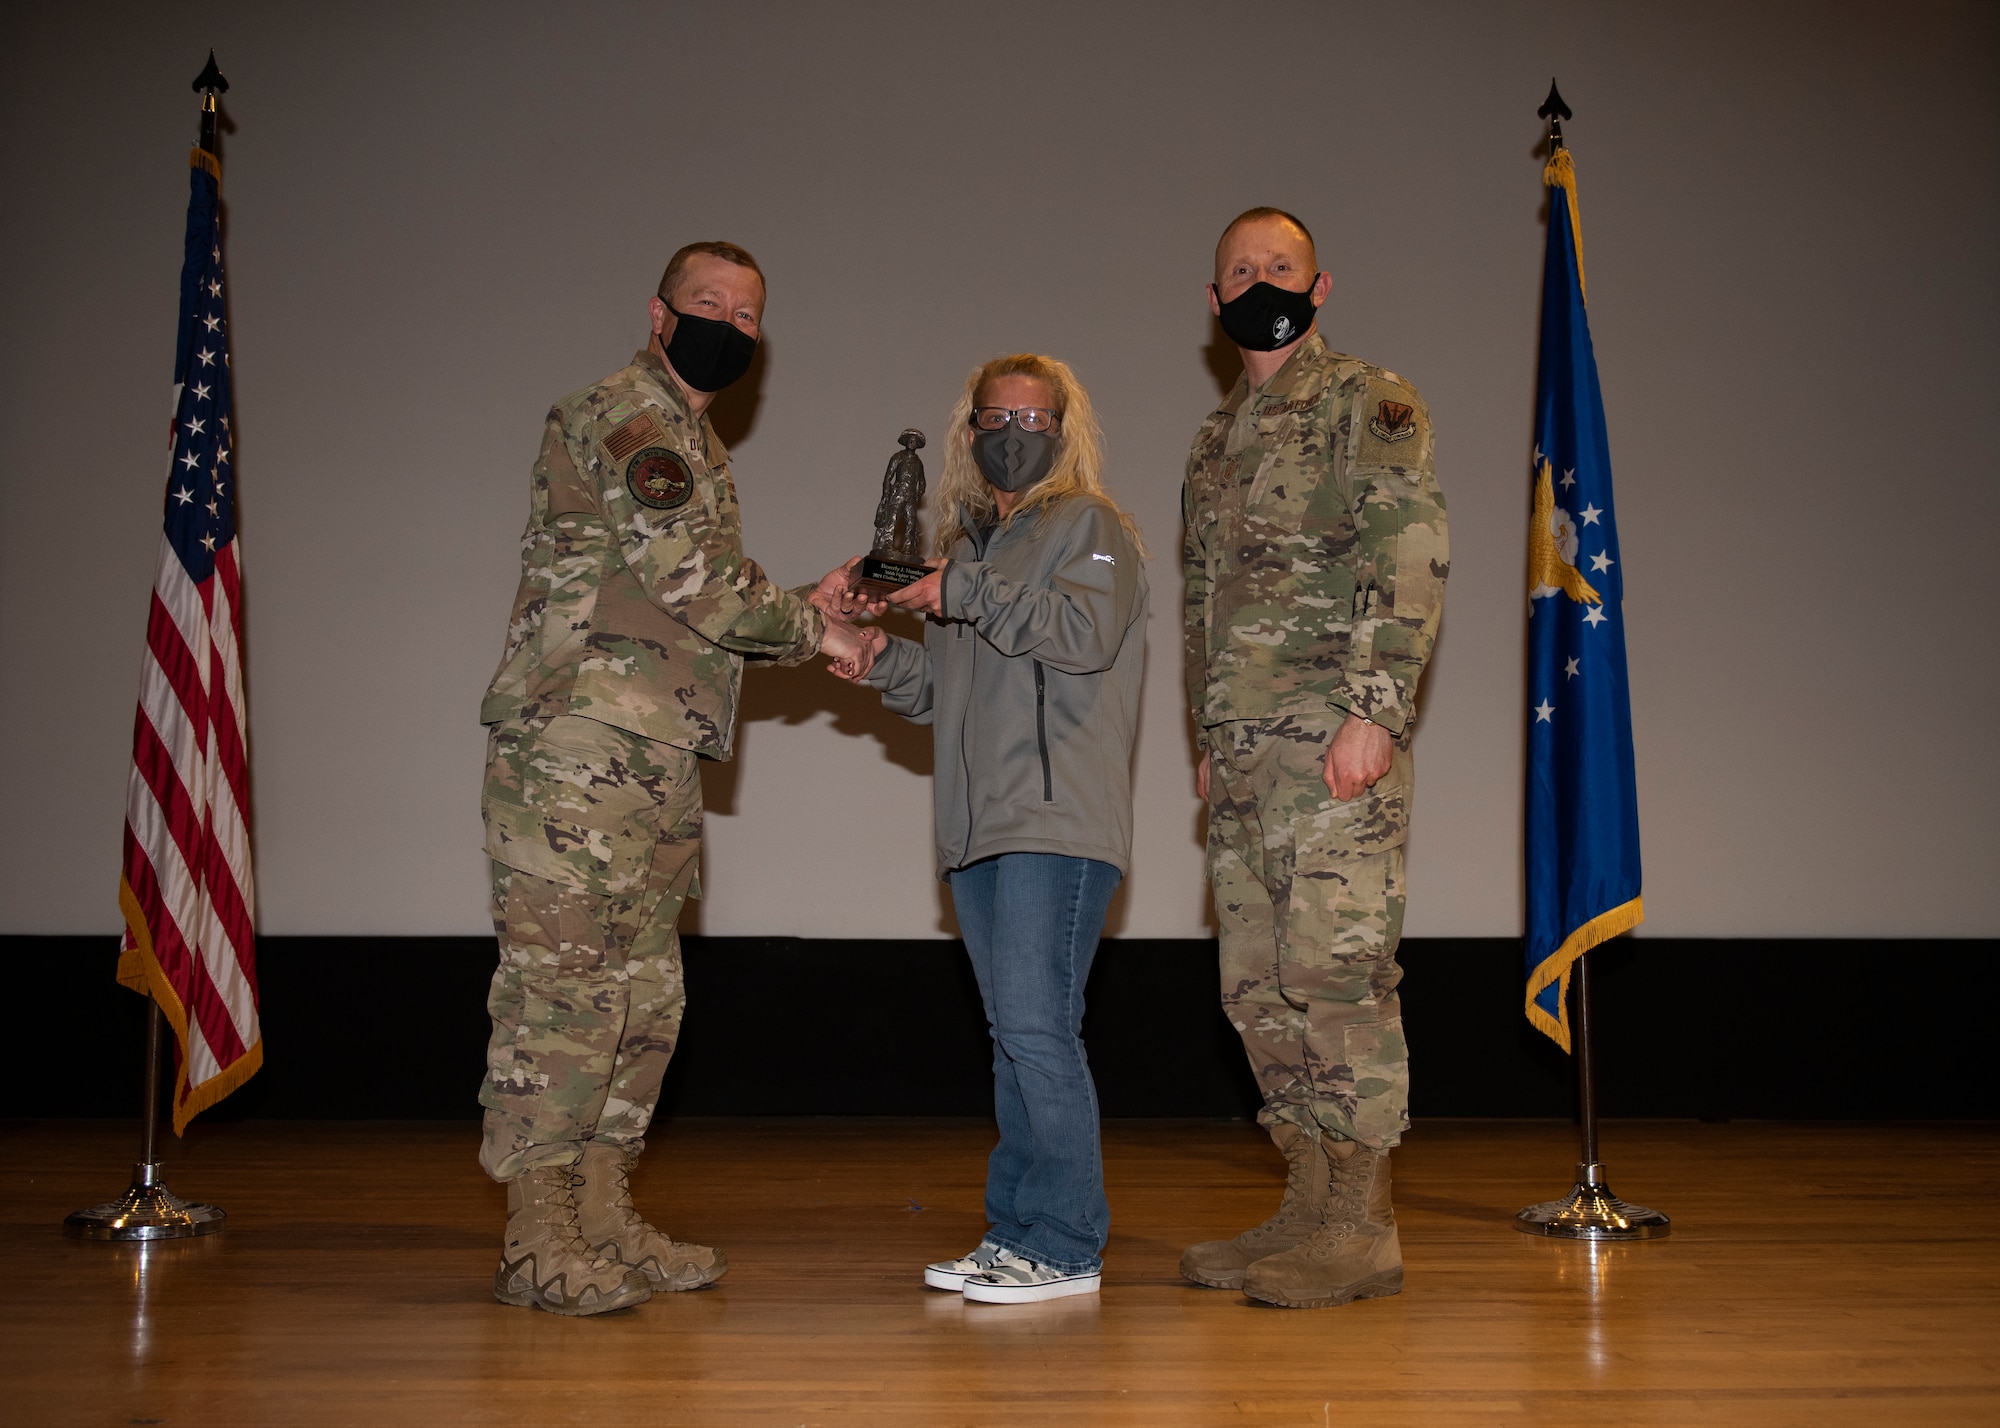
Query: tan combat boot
(1354, 1254)
(1220, 1263)
(612, 1226)
(545, 1264)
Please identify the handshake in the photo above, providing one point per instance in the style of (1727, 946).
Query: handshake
(851, 648)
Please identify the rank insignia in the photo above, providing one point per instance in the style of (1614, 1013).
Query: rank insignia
(628, 436)
(659, 478)
(1394, 422)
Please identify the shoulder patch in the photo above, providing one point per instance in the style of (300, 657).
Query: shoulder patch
(659, 478)
(1393, 421)
(629, 435)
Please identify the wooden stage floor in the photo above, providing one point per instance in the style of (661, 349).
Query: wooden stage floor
(1816, 1275)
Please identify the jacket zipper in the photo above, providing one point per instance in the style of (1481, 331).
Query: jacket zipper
(964, 758)
(1042, 731)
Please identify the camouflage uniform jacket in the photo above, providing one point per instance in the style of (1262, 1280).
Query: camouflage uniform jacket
(637, 604)
(1314, 549)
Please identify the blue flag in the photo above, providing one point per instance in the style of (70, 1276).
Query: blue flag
(1583, 806)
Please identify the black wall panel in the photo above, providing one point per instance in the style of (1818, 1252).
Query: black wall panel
(392, 1027)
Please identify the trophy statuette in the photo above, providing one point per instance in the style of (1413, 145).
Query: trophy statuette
(897, 558)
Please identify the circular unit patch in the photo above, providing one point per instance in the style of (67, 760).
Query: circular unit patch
(659, 478)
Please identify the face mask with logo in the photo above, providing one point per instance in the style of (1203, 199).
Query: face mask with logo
(1013, 459)
(707, 354)
(1263, 318)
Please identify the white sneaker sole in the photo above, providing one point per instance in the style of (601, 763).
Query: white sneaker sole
(935, 1278)
(1031, 1293)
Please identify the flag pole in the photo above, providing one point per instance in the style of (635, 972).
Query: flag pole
(148, 1210)
(1590, 1211)
(1586, 1065)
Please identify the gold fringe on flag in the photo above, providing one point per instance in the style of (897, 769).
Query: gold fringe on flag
(1561, 173)
(139, 969)
(1555, 967)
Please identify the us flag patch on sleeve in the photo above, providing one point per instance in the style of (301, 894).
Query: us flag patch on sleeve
(628, 436)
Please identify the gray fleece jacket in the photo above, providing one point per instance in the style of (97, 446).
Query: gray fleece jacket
(1031, 686)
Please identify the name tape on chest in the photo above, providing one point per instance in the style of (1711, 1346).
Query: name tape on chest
(659, 478)
(630, 435)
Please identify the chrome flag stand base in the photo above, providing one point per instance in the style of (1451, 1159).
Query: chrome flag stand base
(147, 1211)
(1591, 1212)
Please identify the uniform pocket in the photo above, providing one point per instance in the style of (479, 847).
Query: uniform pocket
(570, 806)
(556, 931)
(1376, 820)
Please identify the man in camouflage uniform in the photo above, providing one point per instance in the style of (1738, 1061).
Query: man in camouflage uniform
(624, 654)
(1315, 560)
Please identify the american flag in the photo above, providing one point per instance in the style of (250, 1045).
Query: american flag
(187, 893)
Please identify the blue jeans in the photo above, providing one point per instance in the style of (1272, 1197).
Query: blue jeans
(1031, 923)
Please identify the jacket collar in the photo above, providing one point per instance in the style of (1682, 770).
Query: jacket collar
(1299, 369)
(654, 377)
(984, 537)
(648, 362)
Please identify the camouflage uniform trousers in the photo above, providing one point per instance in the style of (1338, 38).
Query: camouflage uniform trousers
(1309, 902)
(594, 834)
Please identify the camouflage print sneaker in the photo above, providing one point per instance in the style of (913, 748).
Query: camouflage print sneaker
(1014, 1280)
(951, 1273)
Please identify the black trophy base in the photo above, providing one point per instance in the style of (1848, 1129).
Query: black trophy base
(881, 575)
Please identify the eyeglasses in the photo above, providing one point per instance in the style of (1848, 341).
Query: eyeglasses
(1028, 418)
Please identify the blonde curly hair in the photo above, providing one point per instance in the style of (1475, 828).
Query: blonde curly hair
(1079, 463)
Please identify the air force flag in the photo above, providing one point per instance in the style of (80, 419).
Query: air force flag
(1583, 816)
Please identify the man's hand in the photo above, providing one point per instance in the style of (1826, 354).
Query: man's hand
(1360, 753)
(850, 650)
(926, 596)
(1201, 777)
(835, 594)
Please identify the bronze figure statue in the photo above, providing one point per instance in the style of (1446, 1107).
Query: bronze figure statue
(898, 555)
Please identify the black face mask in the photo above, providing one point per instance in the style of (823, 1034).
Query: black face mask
(1013, 459)
(708, 355)
(1263, 318)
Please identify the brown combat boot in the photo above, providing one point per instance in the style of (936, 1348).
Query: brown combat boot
(1354, 1254)
(1220, 1263)
(613, 1227)
(545, 1264)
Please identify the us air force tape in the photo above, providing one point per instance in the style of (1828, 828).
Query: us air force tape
(659, 478)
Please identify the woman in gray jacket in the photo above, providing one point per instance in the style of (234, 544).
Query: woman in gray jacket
(1029, 676)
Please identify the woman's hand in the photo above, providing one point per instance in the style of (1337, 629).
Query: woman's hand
(926, 596)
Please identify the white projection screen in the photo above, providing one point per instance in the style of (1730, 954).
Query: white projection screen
(440, 218)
